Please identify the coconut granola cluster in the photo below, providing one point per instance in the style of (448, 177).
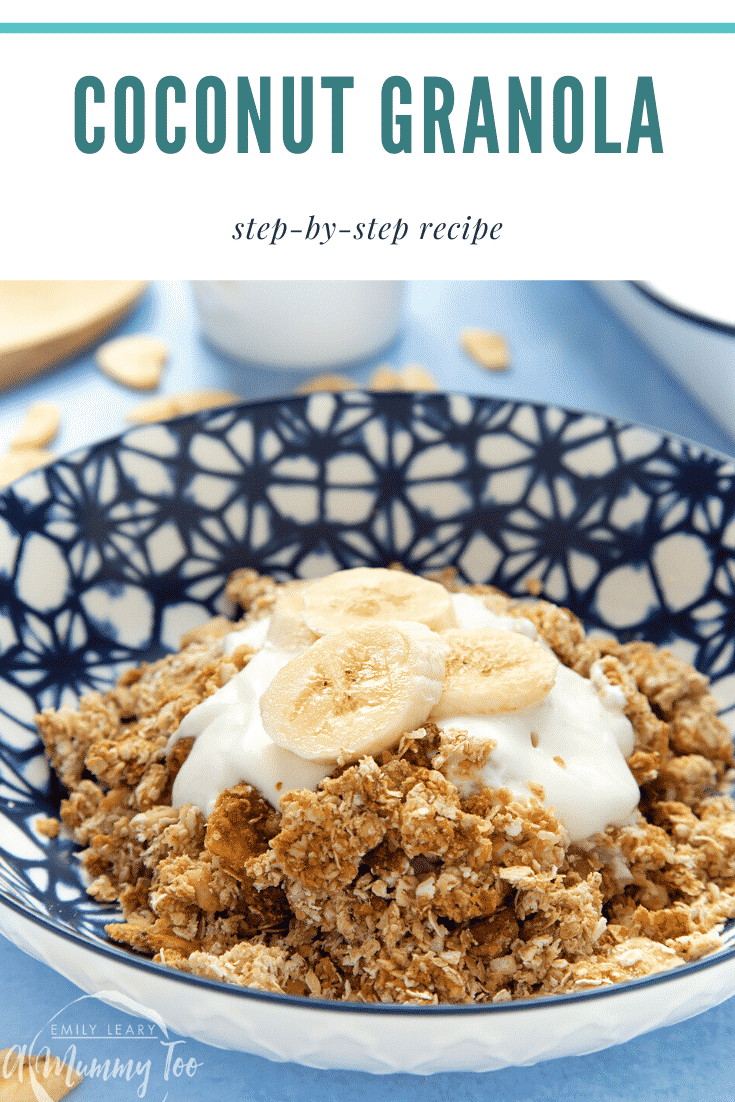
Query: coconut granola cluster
(385, 885)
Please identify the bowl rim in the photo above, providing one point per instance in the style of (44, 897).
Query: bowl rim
(683, 312)
(244, 405)
(109, 950)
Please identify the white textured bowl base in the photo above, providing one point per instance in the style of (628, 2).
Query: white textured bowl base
(323, 1037)
(290, 325)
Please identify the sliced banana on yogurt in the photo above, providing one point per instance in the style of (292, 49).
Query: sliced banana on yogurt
(368, 594)
(491, 670)
(355, 692)
(287, 628)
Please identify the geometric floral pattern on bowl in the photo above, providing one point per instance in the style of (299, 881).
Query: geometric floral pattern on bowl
(108, 555)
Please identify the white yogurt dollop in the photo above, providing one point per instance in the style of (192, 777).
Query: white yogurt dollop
(231, 746)
(472, 613)
(574, 744)
(581, 724)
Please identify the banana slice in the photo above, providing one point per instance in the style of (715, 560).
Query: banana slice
(366, 594)
(490, 670)
(287, 629)
(355, 692)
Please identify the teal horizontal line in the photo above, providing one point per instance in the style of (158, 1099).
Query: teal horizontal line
(367, 28)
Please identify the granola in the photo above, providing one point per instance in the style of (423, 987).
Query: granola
(386, 884)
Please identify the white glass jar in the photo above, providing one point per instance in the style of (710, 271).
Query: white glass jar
(300, 324)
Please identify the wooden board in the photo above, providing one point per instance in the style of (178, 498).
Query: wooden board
(43, 322)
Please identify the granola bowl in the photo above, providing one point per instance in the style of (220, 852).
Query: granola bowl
(109, 555)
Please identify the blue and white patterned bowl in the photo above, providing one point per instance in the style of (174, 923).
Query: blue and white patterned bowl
(109, 554)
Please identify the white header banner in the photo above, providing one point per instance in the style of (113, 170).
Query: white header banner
(364, 155)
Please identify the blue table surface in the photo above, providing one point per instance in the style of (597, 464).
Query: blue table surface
(568, 348)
